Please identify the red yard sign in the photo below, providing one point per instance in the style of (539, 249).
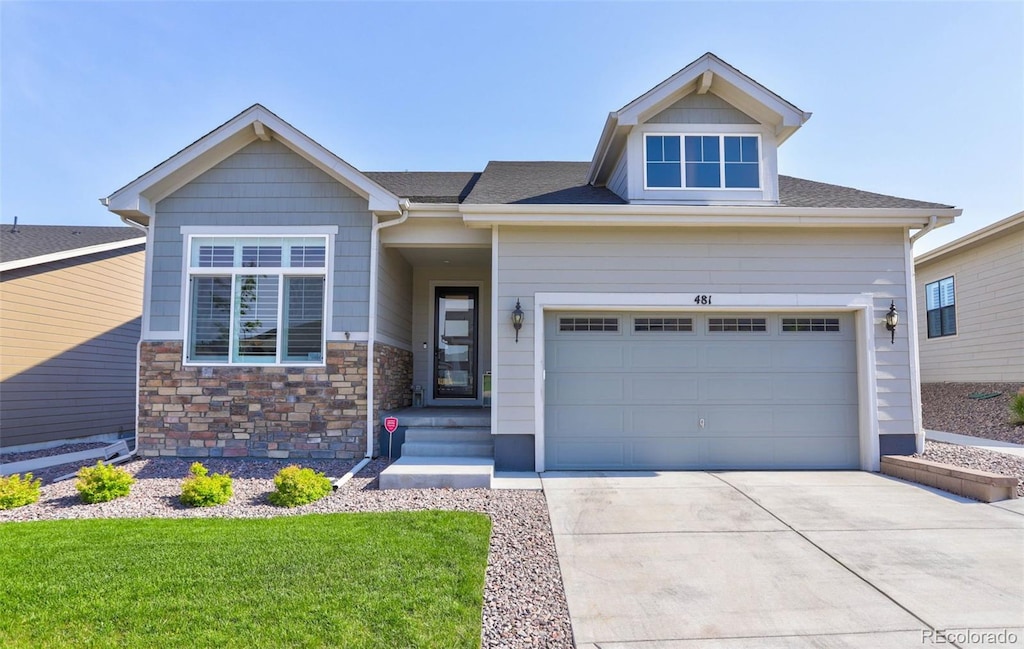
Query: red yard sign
(390, 424)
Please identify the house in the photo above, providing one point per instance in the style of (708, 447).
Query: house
(970, 295)
(680, 303)
(69, 332)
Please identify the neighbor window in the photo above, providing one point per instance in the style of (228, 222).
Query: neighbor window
(256, 300)
(940, 300)
(702, 162)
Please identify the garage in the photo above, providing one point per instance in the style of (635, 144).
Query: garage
(700, 390)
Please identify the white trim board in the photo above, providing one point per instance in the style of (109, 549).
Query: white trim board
(70, 254)
(862, 305)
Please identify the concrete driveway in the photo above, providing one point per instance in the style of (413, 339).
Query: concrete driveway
(783, 559)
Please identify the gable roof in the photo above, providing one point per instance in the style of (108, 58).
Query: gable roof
(999, 228)
(28, 245)
(137, 199)
(708, 73)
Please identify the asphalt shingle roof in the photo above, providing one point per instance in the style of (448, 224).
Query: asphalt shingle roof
(35, 240)
(565, 183)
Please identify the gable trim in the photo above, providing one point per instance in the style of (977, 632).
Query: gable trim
(137, 200)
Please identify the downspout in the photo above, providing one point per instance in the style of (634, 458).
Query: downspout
(932, 222)
(138, 357)
(371, 338)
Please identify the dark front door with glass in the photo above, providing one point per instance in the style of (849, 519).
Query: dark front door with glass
(455, 342)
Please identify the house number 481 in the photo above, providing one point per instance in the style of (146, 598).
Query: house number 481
(702, 299)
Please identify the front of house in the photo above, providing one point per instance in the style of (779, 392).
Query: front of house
(683, 305)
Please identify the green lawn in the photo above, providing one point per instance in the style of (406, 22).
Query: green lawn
(404, 579)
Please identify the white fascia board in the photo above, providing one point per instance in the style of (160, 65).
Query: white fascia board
(139, 197)
(70, 254)
(434, 210)
(974, 238)
(698, 215)
(597, 161)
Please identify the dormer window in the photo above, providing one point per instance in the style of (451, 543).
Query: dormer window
(702, 161)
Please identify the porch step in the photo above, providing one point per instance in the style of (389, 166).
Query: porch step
(448, 434)
(438, 473)
(445, 417)
(447, 449)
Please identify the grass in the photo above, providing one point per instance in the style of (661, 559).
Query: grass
(403, 579)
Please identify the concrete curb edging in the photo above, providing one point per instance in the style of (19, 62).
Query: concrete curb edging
(972, 483)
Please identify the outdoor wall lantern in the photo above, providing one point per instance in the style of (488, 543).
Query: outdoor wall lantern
(891, 320)
(517, 318)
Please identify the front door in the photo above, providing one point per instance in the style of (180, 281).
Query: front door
(455, 342)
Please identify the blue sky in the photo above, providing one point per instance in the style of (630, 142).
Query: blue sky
(916, 99)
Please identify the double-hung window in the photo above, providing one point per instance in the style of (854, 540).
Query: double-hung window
(702, 161)
(940, 301)
(256, 300)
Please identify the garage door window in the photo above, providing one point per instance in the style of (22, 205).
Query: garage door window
(790, 325)
(588, 324)
(719, 325)
(642, 325)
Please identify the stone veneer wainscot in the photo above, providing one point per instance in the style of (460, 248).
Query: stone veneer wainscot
(275, 412)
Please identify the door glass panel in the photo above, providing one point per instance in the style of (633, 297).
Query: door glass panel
(455, 343)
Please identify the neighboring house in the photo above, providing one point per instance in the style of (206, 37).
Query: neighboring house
(685, 305)
(70, 320)
(970, 301)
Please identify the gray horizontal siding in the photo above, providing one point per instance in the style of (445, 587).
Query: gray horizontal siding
(394, 303)
(702, 109)
(690, 260)
(989, 289)
(264, 184)
(68, 337)
(619, 180)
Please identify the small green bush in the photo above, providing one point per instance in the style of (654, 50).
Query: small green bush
(297, 486)
(103, 482)
(1017, 408)
(16, 491)
(202, 490)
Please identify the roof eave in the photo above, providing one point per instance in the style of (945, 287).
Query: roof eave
(973, 239)
(70, 254)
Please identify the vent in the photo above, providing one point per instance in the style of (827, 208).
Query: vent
(588, 324)
(810, 324)
(737, 324)
(663, 324)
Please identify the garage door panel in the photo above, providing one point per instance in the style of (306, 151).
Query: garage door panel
(664, 420)
(737, 389)
(816, 453)
(661, 389)
(815, 388)
(585, 453)
(816, 421)
(738, 453)
(587, 356)
(816, 357)
(569, 389)
(669, 355)
(736, 355)
(592, 420)
(659, 452)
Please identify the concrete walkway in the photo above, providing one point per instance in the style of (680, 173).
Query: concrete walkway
(976, 442)
(781, 559)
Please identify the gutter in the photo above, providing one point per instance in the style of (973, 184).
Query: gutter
(933, 221)
(371, 338)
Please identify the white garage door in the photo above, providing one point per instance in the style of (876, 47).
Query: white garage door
(700, 391)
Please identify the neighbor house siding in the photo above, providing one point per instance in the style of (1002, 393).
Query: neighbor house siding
(68, 336)
(702, 109)
(989, 288)
(394, 299)
(726, 260)
(264, 184)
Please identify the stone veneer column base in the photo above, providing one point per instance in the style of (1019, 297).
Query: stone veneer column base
(392, 384)
(252, 411)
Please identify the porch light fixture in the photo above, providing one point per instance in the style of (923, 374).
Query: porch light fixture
(517, 318)
(891, 320)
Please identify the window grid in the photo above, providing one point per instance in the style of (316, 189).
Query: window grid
(662, 324)
(716, 325)
(588, 324)
(810, 324)
(708, 161)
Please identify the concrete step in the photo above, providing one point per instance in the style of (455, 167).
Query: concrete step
(448, 449)
(479, 435)
(438, 473)
(427, 418)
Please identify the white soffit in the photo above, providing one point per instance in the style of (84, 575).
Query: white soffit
(137, 199)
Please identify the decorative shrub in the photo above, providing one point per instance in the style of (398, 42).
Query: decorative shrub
(16, 491)
(1017, 408)
(103, 482)
(202, 490)
(297, 486)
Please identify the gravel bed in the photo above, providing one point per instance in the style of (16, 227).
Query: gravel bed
(50, 452)
(966, 457)
(524, 601)
(946, 407)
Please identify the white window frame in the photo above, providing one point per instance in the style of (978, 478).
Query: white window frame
(956, 319)
(189, 271)
(721, 160)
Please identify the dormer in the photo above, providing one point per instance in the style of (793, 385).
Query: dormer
(707, 135)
